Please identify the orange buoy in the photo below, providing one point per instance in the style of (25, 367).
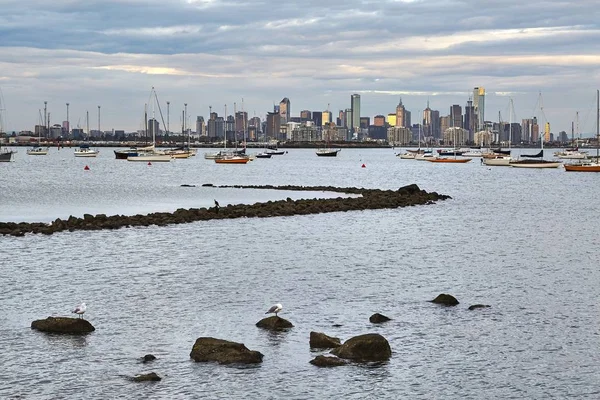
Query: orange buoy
(149, 163)
(364, 166)
(86, 168)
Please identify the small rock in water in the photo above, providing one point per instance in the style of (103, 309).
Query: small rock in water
(186, 185)
(320, 340)
(365, 348)
(445, 299)
(378, 318)
(476, 306)
(325, 361)
(208, 349)
(151, 377)
(274, 323)
(64, 325)
(148, 358)
(208, 185)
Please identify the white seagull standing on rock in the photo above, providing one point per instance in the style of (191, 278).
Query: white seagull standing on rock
(79, 310)
(275, 309)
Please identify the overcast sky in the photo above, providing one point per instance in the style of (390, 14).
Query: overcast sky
(316, 53)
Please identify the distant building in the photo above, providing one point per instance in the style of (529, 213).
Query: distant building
(470, 122)
(365, 122)
(399, 135)
(273, 125)
(317, 117)
(400, 115)
(547, 134)
(200, 126)
(307, 132)
(285, 110)
(455, 136)
(392, 119)
(456, 119)
(379, 120)
(445, 123)
(326, 117)
(306, 115)
(355, 107)
(479, 106)
(348, 123)
(378, 132)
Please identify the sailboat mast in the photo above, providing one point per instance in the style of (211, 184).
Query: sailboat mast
(146, 122)
(87, 123)
(597, 125)
(510, 124)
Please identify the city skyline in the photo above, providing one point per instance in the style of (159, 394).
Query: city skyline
(204, 53)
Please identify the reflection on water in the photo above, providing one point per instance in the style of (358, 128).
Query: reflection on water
(509, 238)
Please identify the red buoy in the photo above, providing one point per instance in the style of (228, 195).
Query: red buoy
(364, 166)
(86, 168)
(149, 163)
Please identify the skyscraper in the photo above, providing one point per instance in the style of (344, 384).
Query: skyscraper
(273, 125)
(456, 116)
(469, 121)
(355, 106)
(479, 106)
(326, 116)
(400, 114)
(285, 110)
(305, 115)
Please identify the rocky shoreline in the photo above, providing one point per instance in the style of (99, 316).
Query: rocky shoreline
(367, 199)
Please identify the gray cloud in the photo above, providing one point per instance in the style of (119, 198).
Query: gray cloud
(314, 52)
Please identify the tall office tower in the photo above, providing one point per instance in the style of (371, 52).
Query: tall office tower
(400, 114)
(317, 117)
(65, 128)
(153, 128)
(535, 130)
(407, 118)
(379, 120)
(306, 115)
(285, 110)
(445, 123)
(255, 122)
(326, 115)
(349, 119)
(479, 105)
(456, 119)
(436, 131)
(526, 124)
(200, 126)
(355, 107)
(426, 122)
(273, 125)
(547, 137)
(469, 121)
(241, 122)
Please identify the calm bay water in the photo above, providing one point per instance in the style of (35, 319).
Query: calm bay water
(523, 241)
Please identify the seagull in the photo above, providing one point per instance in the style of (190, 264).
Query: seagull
(217, 204)
(275, 309)
(80, 309)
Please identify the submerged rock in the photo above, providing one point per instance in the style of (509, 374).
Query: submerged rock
(369, 347)
(320, 340)
(148, 358)
(274, 323)
(208, 349)
(65, 325)
(476, 306)
(151, 377)
(445, 299)
(378, 318)
(325, 361)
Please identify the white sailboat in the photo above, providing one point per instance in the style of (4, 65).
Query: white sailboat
(150, 155)
(502, 160)
(84, 149)
(39, 150)
(6, 155)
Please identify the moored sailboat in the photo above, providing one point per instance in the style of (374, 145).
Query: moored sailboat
(588, 165)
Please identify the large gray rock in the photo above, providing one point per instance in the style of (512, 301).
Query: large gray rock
(65, 325)
(208, 349)
(369, 347)
(445, 299)
(320, 340)
(274, 323)
(324, 361)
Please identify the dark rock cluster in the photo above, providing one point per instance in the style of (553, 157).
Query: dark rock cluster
(367, 199)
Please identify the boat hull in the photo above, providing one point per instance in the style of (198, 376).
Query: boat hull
(449, 160)
(86, 154)
(6, 156)
(37, 152)
(583, 168)
(150, 158)
(327, 153)
(232, 160)
(519, 164)
(497, 162)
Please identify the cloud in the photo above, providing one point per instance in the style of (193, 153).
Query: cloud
(209, 52)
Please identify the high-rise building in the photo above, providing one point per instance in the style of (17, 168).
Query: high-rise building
(547, 135)
(285, 110)
(479, 106)
(456, 119)
(391, 119)
(326, 116)
(526, 129)
(355, 106)
(349, 119)
(306, 115)
(365, 122)
(436, 130)
(317, 117)
(153, 128)
(469, 120)
(407, 118)
(445, 123)
(535, 130)
(254, 122)
(400, 114)
(200, 126)
(241, 122)
(273, 125)
(379, 120)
